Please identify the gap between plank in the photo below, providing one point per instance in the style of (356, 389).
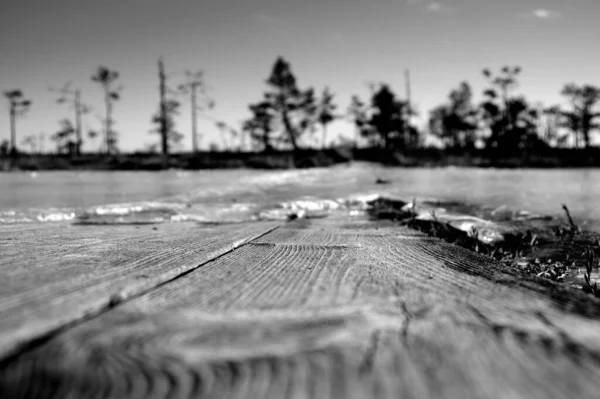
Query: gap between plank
(112, 303)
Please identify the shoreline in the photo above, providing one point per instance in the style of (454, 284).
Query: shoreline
(537, 247)
(306, 158)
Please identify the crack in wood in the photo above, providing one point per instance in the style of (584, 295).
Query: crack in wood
(368, 360)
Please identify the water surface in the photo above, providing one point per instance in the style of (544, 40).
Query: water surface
(233, 195)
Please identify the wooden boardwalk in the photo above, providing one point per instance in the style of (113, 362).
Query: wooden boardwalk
(328, 308)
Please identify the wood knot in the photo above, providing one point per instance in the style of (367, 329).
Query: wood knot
(115, 299)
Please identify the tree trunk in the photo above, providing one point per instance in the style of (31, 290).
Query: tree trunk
(13, 128)
(108, 120)
(163, 108)
(585, 130)
(79, 141)
(289, 129)
(194, 128)
(268, 148)
(386, 140)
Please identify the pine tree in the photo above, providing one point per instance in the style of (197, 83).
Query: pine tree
(581, 119)
(260, 125)
(357, 112)
(455, 123)
(293, 108)
(388, 118)
(511, 120)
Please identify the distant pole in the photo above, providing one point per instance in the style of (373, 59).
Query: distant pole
(194, 86)
(163, 107)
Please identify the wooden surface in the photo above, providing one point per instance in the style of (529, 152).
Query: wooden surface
(53, 275)
(327, 308)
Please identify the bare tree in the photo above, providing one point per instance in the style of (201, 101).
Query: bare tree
(30, 140)
(455, 122)
(72, 97)
(505, 82)
(552, 120)
(93, 136)
(512, 121)
(18, 107)
(195, 87)
(167, 110)
(107, 78)
(163, 116)
(61, 137)
(291, 110)
(41, 142)
(226, 130)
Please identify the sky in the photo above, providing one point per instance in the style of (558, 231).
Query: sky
(342, 44)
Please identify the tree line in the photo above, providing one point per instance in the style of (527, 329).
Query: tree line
(510, 121)
(69, 137)
(503, 121)
(288, 116)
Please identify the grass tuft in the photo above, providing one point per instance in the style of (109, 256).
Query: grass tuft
(529, 252)
(590, 261)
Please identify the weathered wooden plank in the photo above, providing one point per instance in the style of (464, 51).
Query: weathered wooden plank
(347, 234)
(53, 275)
(296, 313)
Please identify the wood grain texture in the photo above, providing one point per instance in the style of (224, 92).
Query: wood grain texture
(53, 275)
(307, 312)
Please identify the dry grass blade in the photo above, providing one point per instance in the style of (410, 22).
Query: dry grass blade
(589, 254)
(574, 227)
